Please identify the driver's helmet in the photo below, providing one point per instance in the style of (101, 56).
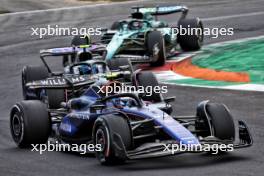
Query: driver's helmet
(135, 25)
(82, 69)
(118, 103)
(123, 102)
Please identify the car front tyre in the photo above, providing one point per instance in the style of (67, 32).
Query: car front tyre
(103, 134)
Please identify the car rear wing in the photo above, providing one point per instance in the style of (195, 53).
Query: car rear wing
(93, 49)
(164, 10)
(72, 50)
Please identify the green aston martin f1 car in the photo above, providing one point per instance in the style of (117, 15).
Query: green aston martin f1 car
(144, 39)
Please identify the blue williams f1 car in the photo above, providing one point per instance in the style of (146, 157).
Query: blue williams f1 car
(144, 39)
(83, 66)
(123, 125)
(82, 60)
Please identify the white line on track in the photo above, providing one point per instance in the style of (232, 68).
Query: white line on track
(233, 16)
(243, 87)
(234, 41)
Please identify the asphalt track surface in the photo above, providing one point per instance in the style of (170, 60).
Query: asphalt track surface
(18, 48)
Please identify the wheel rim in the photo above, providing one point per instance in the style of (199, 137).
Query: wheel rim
(156, 50)
(16, 126)
(200, 35)
(200, 38)
(101, 139)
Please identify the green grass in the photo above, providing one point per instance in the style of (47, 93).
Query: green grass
(236, 57)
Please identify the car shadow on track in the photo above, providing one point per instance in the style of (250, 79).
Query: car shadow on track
(182, 161)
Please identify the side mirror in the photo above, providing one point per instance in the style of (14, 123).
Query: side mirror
(169, 99)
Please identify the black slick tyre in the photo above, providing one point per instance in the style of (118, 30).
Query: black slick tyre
(156, 48)
(30, 123)
(104, 131)
(194, 41)
(29, 74)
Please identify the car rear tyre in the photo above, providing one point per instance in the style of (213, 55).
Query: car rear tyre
(156, 48)
(29, 74)
(30, 123)
(194, 41)
(105, 128)
(148, 79)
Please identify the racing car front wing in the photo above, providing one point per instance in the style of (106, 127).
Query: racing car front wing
(161, 149)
